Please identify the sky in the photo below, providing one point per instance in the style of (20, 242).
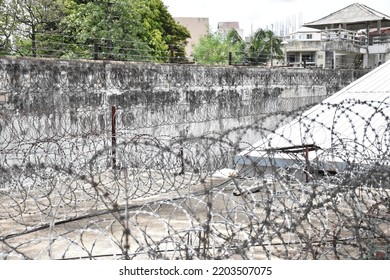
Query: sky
(254, 14)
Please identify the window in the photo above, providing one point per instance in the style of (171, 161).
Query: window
(309, 36)
(291, 58)
(308, 57)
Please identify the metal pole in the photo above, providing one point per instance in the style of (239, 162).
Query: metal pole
(307, 163)
(171, 54)
(113, 136)
(95, 49)
(181, 155)
(272, 57)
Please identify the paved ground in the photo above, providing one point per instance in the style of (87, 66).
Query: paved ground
(208, 217)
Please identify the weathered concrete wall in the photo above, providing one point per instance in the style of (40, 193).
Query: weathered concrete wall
(163, 98)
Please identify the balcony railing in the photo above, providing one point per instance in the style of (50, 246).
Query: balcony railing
(342, 35)
(379, 39)
(352, 37)
(303, 45)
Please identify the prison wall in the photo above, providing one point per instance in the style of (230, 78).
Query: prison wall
(163, 99)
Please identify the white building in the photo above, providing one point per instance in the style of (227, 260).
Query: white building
(303, 49)
(351, 38)
(347, 41)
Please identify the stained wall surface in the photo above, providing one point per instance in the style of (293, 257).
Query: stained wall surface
(169, 99)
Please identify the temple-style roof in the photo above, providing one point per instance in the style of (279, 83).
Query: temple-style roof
(355, 16)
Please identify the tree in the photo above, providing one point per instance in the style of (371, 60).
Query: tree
(163, 33)
(124, 29)
(24, 20)
(264, 46)
(100, 29)
(214, 48)
(105, 28)
(6, 27)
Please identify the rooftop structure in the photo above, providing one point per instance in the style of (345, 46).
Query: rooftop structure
(353, 37)
(352, 17)
(304, 31)
(224, 27)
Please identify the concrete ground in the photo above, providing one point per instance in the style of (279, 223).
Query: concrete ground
(200, 218)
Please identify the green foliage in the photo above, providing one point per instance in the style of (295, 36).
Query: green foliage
(6, 26)
(214, 48)
(103, 29)
(263, 47)
(162, 33)
(31, 18)
(110, 29)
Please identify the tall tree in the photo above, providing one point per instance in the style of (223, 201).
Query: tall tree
(29, 19)
(110, 28)
(263, 47)
(125, 29)
(104, 29)
(163, 33)
(6, 28)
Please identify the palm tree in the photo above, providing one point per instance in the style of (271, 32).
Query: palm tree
(236, 46)
(264, 46)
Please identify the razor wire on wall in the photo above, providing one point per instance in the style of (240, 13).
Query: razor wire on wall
(83, 183)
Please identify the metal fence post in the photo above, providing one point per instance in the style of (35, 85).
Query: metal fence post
(113, 136)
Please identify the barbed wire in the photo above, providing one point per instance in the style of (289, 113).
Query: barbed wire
(92, 173)
(52, 45)
(61, 198)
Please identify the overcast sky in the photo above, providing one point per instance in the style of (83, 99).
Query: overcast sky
(254, 14)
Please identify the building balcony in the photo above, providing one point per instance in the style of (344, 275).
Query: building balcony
(300, 45)
(352, 41)
(341, 46)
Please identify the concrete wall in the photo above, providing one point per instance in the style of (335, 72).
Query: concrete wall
(164, 99)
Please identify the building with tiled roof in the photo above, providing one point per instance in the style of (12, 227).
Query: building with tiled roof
(352, 37)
